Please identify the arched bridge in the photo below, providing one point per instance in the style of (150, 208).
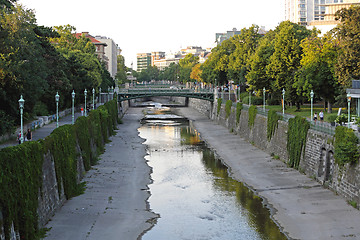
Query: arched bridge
(128, 94)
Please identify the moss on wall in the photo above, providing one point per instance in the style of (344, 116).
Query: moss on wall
(272, 123)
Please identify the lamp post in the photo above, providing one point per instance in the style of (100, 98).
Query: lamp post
(73, 103)
(93, 91)
(312, 98)
(349, 101)
(99, 95)
(283, 102)
(57, 97)
(264, 91)
(21, 106)
(249, 98)
(108, 95)
(85, 92)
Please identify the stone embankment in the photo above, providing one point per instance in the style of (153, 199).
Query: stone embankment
(305, 209)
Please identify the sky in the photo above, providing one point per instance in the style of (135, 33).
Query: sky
(139, 26)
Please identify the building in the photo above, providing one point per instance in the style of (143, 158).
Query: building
(220, 37)
(111, 52)
(315, 13)
(143, 61)
(99, 46)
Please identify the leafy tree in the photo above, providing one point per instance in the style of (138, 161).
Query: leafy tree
(170, 73)
(348, 33)
(317, 70)
(196, 73)
(186, 64)
(121, 70)
(7, 4)
(285, 60)
(245, 44)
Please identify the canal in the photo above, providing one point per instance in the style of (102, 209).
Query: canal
(192, 191)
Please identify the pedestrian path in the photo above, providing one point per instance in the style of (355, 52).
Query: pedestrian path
(44, 131)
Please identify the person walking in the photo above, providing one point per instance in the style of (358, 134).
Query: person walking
(321, 115)
(28, 135)
(315, 116)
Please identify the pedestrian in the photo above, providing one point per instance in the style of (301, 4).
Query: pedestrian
(19, 137)
(82, 111)
(321, 115)
(315, 116)
(29, 135)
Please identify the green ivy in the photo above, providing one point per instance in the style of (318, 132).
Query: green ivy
(272, 123)
(21, 167)
(346, 149)
(219, 102)
(20, 181)
(228, 106)
(296, 139)
(252, 115)
(239, 107)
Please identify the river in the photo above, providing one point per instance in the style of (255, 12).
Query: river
(192, 191)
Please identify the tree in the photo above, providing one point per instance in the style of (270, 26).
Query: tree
(186, 64)
(285, 60)
(121, 70)
(348, 33)
(196, 73)
(317, 70)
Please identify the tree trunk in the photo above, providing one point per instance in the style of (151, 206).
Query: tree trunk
(329, 107)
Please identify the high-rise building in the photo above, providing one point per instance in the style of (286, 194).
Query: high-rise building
(143, 61)
(318, 13)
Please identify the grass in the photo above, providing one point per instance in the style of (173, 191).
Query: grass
(305, 111)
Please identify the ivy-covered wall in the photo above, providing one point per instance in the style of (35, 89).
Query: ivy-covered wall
(36, 177)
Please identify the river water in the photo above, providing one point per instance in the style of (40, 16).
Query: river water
(192, 191)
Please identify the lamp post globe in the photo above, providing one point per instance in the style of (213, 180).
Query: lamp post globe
(21, 106)
(73, 103)
(85, 93)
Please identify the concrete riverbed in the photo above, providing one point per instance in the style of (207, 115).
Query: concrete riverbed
(114, 205)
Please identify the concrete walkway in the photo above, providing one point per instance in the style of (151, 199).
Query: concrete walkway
(44, 131)
(114, 205)
(302, 207)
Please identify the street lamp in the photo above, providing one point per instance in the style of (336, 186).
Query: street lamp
(349, 100)
(73, 103)
(264, 90)
(99, 95)
(85, 92)
(93, 91)
(283, 102)
(21, 106)
(57, 97)
(312, 98)
(249, 98)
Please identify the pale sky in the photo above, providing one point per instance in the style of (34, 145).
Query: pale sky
(158, 25)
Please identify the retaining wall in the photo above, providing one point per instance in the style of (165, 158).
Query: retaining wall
(317, 160)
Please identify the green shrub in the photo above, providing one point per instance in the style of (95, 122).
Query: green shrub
(228, 106)
(239, 107)
(332, 118)
(346, 149)
(272, 123)
(252, 115)
(7, 123)
(219, 102)
(296, 139)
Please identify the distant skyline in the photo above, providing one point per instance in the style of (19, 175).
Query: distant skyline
(158, 25)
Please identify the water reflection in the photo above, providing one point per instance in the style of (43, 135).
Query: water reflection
(193, 193)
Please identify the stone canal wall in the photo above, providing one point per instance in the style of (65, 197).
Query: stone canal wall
(317, 160)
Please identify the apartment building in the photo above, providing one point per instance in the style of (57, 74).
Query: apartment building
(316, 13)
(111, 52)
(143, 61)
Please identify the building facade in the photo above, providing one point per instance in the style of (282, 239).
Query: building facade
(316, 13)
(111, 52)
(143, 61)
